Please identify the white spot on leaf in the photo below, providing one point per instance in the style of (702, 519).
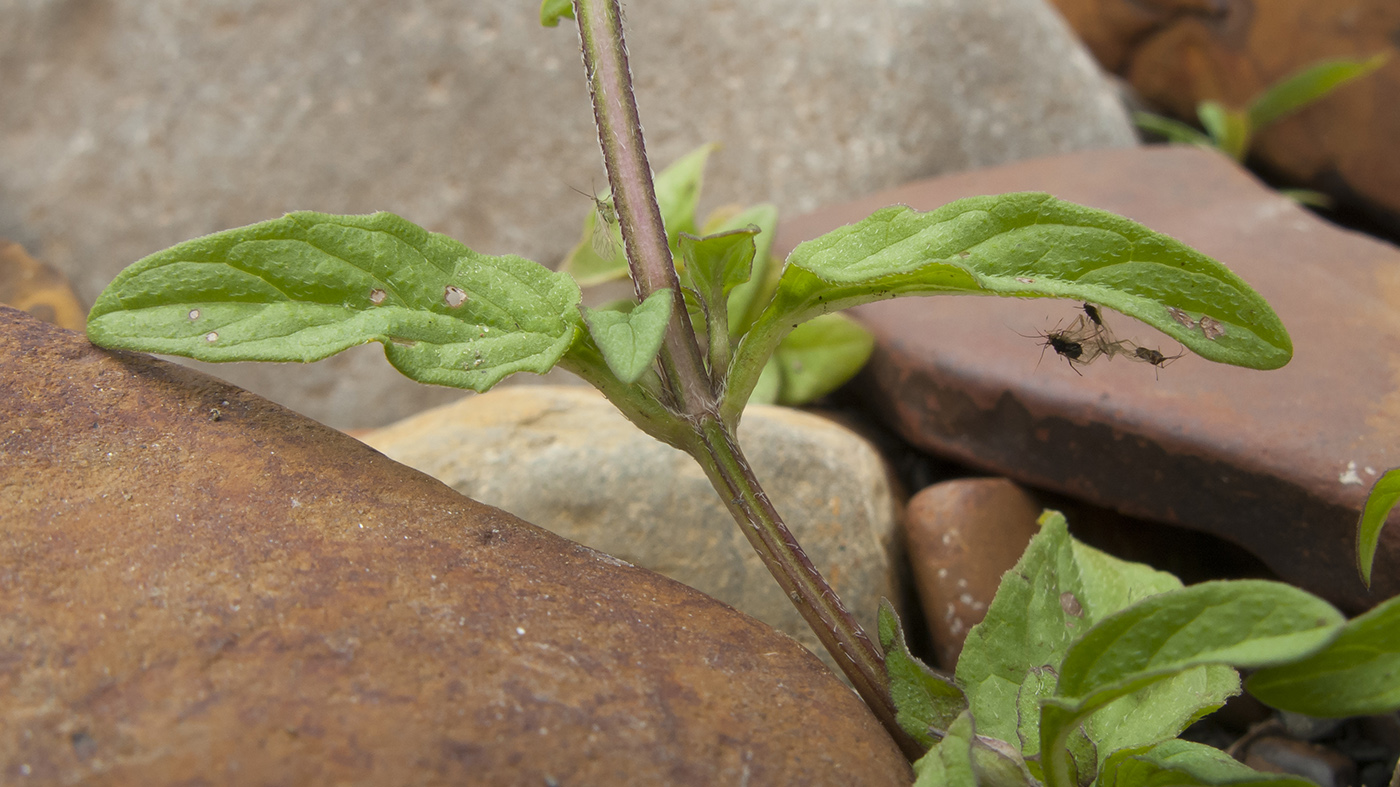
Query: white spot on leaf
(454, 296)
(377, 296)
(194, 314)
(211, 337)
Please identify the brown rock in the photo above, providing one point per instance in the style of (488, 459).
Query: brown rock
(32, 286)
(1278, 462)
(1324, 766)
(198, 586)
(1177, 53)
(963, 535)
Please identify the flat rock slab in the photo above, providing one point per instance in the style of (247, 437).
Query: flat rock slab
(1278, 462)
(563, 457)
(198, 586)
(1177, 53)
(132, 125)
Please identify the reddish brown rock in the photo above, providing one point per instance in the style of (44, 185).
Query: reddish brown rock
(198, 586)
(1177, 53)
(963, 535)
(1278, 462)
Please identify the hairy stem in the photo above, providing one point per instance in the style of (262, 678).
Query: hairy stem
(710, 441)
(634, 196)
(837, 629)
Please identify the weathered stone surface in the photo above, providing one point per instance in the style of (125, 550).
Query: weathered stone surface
(130, 125)
(1278, 462)
(1180, 52)
(565, 458)
(197, 586)
(1319, 764)
(32, 286)
(963, 535)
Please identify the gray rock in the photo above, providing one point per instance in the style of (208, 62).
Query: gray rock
(132, 125)
(565, 459)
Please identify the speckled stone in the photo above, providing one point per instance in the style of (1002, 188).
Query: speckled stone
(566, 459)
(200, 587)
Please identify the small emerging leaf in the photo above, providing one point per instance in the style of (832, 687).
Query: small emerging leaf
(744, 300)
(551, 11)
(309, 285)
(1178, 763)
(1358, 674)
(1385, 493)
(630, 340)
(1308, 85)
(716, 264)
(1229, 129)
(926, 702)
(1173, 130)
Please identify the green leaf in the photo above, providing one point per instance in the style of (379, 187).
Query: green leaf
(630, 341)
(1358, 674)
(926, 703)
(1309, 85)
(1178, 763)
(551, 11)
(1173, 130)
(1385, 493)
(1308, 197)
(1229, 129)
(949, 763)
(819, 356)
(1021, 245)
(1056, 591)
(1248, 623)
(744, 300)
(1163, 709)
(308, 285)
(770, 382)
(716, 264)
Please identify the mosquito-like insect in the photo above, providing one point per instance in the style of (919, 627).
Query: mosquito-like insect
(1079, 344)
(1154, 357)
(604, 225)
(1092, 312)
